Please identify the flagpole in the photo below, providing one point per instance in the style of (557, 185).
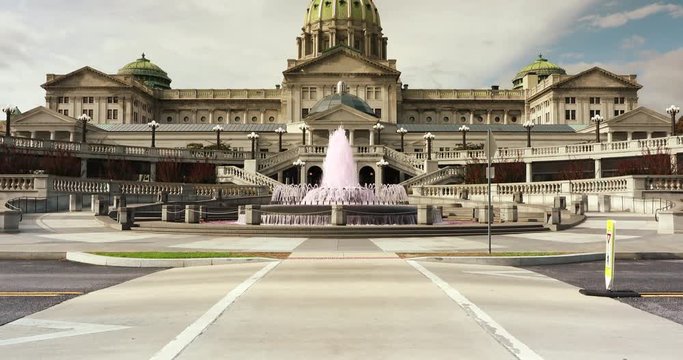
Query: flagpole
(489, 210)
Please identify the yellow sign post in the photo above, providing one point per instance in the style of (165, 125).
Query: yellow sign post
(609, 254)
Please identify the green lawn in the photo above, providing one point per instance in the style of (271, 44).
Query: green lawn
(187, 255)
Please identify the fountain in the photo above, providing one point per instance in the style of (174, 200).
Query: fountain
(340, 189)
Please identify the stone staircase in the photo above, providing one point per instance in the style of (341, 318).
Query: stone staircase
(438, 177)
(278, 162)
(406, 163)
(235, 175)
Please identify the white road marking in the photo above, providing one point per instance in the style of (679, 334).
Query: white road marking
(187, 336)
(517, 274)
(70, 329)
(512, 344)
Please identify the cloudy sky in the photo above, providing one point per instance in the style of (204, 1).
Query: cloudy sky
(245, 44)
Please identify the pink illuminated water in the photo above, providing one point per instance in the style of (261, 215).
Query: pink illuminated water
(339, 167)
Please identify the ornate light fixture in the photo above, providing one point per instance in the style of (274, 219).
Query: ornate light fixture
(429, 137)
(280, 131)
(8, 111)
(597, 119)
(671, 110)
(303, 127)
(84, 119)
(402, 131)
(218, 129)
(253, 137)
(464, 130)
(378, 128)
(528, 125)
(154, 126)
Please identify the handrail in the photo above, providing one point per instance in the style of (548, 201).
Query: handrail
(252, 178)
(434, 176)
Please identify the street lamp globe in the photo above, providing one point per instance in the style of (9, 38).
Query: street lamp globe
(402, 131)
(153, 125)
(299, 163)
(304, 127)
(597, 119)
(8, 108)
(253, 136)
(429, 136)
(529, 124)
(382, 163)
(85, 118)
(673, 109)
(217, 128)
(378, 127)
(280, 130)
(464, 128)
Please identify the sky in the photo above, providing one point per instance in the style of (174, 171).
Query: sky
(245, 44)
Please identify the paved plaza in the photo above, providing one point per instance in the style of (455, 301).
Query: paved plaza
(339, 299)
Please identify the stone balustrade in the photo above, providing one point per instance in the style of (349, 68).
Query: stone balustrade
(17, 183)
(434, 177)
(235, 174)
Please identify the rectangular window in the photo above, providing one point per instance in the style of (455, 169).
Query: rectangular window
(378, 113)
(63, 99)
(570, 100)
(113, 100)
(88, 112)
(66, 112)
(570, 114)
(116, 114)
(88, 100)
(304, 113)
(594, 113)
(619, 100)
(309, 93)
(594, 100)
(373, 93)
(135, 117)
(618, 112)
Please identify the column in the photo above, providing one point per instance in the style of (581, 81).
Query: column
(71, 136)
(372, 137)
(263, 116)
(52, 135)
(379, 176)
(211, 115)
(505, 117)
(303, 179)
(649, 135)
(84, 168)
(351, 137)
(529, 173)
(33, 134)
(609, 137)
(629, 136)
(674, 164)
(471, 117)
(488, 117)
(153, 172)
(244, 119)
(598, 168)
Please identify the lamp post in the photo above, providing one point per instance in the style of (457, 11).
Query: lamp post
(671, 110)
(429, 137)
(300, 165)
(402, 131)
(218, 129)
(154, 126)
(280, 131)
(85, 119)
(378, 128)
(304, 127)
(381, 164)
(464, 130)
(8, 111)
(253, 137)
(597, 119)
(528, 125)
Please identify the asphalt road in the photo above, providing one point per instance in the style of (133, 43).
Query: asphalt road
(19, 277)
(639, 276)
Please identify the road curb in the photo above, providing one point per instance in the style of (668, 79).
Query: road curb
(26, 255)
(92, 259)
(517, 260)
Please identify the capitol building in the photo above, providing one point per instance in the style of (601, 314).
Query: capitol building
(341, 41)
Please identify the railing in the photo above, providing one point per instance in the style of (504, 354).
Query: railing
(126, 151)
(417, 166)
(434, 177)
(664, 183)
(17, 183)
(232, 172)
(255, 94)
(438, 94)
(288, 156)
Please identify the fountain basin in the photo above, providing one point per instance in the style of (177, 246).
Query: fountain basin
(319, 215)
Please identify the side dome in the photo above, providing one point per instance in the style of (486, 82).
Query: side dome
(541, 67)
(358, 11)
(148, 73)
(342, 98)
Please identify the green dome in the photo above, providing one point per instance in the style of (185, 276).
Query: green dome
(342, 99)
(541, 67)
(363, 11)
(147, 72)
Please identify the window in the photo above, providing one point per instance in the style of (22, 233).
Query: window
(378, 113)
(619, 100)
(144, 107)
(63, 99)
(237, 119)
(594, 100)
(463, 119)
(429, 119)
(570, 100)
(446, 119)
(113, 100)
(618, 112)
(412, 119)
(144, 119)
(594, 113)
(497, 119)
(304, 112)
(135, 117)
(203, 119)
(309, 93)
(570, 114)
(112, 114)
(271, 119)
(136, 103)
(374, 93)
(547, 117)
(254, 119)
(186, 119)
(88, 112)
(88, 100)
(220, 119)
(169, 119)
(514, 119)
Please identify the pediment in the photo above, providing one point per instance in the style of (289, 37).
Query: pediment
(597, 78)
(341, 61)
(86, 77)
(42, 116)
(342, 115)
(641, 117)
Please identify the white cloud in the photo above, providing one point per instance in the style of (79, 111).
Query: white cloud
(661, 75)
(633, 42)
(622, 18)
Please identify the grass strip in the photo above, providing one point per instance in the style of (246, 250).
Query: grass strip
(190, 255)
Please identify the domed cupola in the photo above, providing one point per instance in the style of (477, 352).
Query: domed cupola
(541, 67)
(352, 23)
(342, 97)
(148, 73)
